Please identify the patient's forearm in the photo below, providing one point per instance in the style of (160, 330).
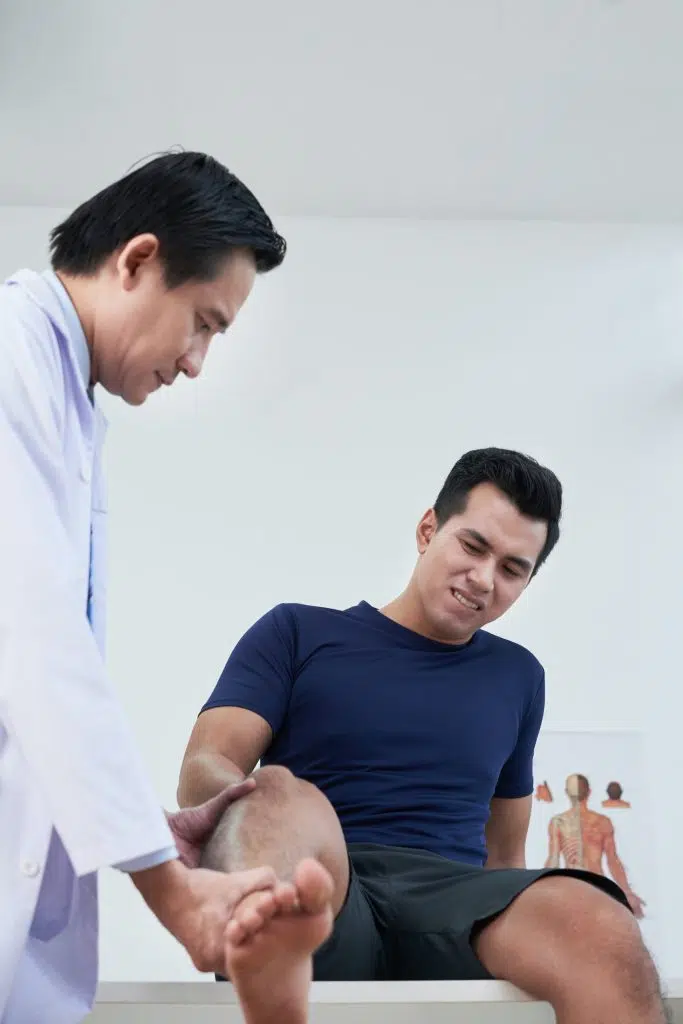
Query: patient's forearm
(500, 863)
(203, 776)
(499, 857)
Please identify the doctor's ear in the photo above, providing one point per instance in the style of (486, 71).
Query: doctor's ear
(138, 254)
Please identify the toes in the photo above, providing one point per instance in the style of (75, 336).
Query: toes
(250, 915)
(264, 904)
(235, 933)
(286, 898)
(244, 935)
(314, 886)
(248, 924)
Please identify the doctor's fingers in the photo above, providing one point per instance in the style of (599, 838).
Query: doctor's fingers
(192, 826)
(196, 823)
(204, 933)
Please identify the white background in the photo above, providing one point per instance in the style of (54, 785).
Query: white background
(516, 109)
(297, 468)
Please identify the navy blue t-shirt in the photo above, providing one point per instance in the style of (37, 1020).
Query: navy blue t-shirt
(408, 738)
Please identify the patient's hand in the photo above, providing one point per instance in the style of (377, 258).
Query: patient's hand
(192, 826)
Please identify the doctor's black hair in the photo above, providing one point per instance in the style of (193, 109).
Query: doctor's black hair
(534, 490)
(196, 207)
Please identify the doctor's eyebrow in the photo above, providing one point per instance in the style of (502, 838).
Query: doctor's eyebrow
(218, 318)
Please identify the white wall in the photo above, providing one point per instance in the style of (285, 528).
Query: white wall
(297, 468)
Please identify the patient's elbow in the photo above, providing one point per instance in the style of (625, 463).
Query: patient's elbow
(183, 792)
(500, 857)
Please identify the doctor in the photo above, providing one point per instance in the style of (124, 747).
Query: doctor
(144, 274)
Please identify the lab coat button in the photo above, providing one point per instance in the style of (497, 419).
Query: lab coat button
(30, 868)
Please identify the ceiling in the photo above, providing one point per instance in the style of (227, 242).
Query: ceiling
(560, 109)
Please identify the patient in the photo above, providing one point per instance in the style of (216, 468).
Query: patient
(396, 747)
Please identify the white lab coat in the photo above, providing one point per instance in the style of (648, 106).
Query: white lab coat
(74, 793)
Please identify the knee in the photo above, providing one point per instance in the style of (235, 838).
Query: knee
(617, 948)
(311, 824)
(596, 931)
(261, 808)
(279, 785)
(581, 914)
(277, 780)
(564, 939)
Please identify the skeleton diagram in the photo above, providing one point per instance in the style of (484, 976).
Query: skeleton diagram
(582, 838)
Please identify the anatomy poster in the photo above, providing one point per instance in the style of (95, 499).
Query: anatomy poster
(591, 810)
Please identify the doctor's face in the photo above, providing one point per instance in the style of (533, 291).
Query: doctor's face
(146, 334)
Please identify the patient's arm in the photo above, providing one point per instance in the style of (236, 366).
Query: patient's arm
(506, 832)
(224, 747)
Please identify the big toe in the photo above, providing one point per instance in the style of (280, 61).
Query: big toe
(314, 886)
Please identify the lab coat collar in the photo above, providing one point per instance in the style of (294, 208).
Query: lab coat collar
(76, 333)
(50, 294)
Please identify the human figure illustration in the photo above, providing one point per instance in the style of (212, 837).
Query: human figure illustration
(614, 796)
(543, 793)
(583, 838)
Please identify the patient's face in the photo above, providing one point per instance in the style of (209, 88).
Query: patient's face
(476, 565)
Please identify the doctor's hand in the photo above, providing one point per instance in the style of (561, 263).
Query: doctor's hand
(195, 905)
(192, 826)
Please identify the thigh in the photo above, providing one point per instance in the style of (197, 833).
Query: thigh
(561, 929)
(354, 950)
(441, 906)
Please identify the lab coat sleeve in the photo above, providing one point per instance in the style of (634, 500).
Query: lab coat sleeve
(55, 697)
(150, 861)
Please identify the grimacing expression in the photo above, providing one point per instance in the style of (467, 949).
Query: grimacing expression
(477, 564)
(146, 334)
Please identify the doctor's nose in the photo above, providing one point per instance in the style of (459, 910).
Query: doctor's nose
(192, 362)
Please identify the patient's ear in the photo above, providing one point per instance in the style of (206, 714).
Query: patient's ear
(426, 529)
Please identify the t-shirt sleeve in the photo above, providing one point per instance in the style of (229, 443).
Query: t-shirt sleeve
(517, 778)
(259, 674)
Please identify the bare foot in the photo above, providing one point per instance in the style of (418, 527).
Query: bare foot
(271, 942)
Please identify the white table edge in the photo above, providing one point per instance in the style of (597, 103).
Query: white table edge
(333, 992)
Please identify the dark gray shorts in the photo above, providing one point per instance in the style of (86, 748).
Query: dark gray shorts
(411, 915)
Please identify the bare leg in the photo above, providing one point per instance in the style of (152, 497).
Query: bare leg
(571, 945)
(270, 965)
(284, 821)
(289, 825)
